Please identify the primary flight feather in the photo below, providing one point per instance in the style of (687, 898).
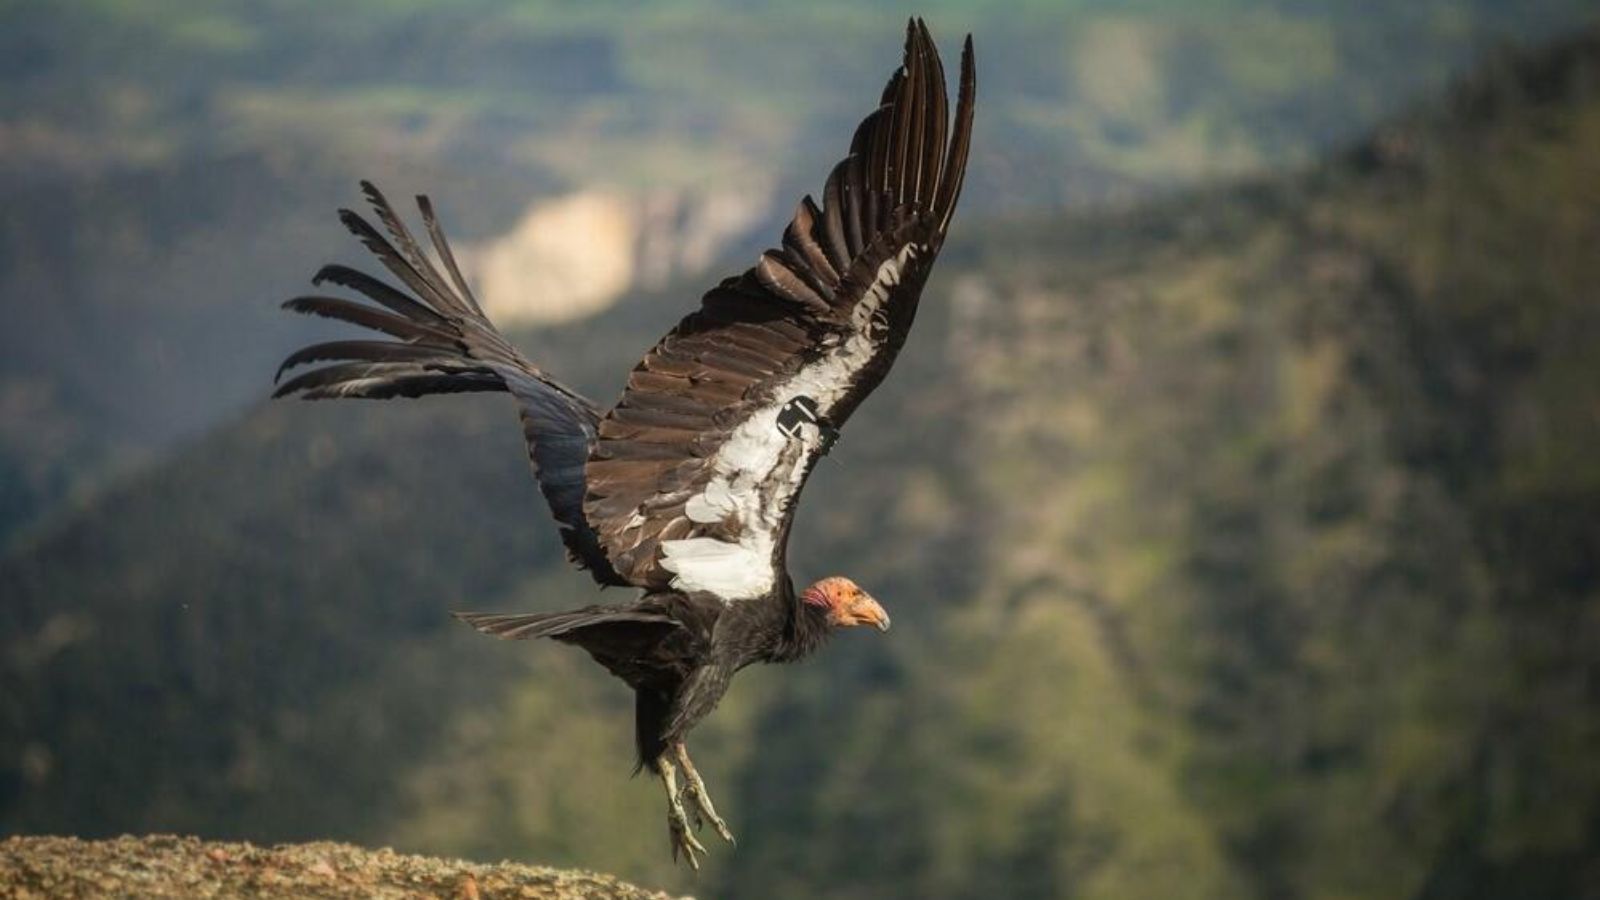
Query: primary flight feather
(685, 489)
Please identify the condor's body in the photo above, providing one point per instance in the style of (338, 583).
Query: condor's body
(685, 488)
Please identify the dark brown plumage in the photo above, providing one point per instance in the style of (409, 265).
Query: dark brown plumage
(685, 488)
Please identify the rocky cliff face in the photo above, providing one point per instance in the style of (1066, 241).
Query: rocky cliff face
(148, 327)
(573, 255)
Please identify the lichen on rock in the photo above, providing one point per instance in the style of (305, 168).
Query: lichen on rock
(165, 866)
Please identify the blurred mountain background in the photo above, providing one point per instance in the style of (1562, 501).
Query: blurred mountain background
(1237, 500)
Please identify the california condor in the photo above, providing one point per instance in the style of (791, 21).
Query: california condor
(685, 489)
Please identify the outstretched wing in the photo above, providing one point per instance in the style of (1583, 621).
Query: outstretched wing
(692, 481)
(443, 343)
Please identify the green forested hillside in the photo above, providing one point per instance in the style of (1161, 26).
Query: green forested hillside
(1240, 545)
(1133, 93)
(163, 164)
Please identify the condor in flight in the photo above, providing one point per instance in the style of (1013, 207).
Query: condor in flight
(685, 489)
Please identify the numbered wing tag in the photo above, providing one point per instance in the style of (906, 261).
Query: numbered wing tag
(796, 415)
(800, 412)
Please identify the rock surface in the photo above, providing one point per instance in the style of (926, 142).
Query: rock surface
(164, 866)
(574, 255)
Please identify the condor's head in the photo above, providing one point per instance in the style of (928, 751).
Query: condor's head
(844, 604)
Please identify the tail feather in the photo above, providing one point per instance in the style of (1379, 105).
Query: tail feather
(523, 626)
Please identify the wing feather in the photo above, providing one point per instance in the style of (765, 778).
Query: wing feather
(444, 344)
(694, 474)
(801, 242)
(367, 317)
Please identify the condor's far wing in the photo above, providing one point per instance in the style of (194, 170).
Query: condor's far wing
(696, 470)
(442, 343)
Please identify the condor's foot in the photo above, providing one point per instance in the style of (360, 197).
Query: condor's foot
(683, 841)
(695, 789)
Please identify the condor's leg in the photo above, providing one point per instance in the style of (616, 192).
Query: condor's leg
(683, 841)
(661, 739)
(650, 718)
(695, 788)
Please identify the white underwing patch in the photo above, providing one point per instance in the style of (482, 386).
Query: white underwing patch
(759, 469)
(711, 505)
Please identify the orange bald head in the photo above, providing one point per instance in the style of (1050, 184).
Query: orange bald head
(846, 604)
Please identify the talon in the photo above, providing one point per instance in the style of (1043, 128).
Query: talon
(693, 809)
(683, 842)
(716, 822)
(695, 788)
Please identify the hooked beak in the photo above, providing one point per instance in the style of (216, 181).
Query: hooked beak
(870, 612)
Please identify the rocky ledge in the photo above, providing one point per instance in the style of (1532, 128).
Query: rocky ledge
(163, 866)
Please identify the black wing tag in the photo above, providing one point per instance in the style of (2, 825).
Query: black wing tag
(796, 415)
(800, 412)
